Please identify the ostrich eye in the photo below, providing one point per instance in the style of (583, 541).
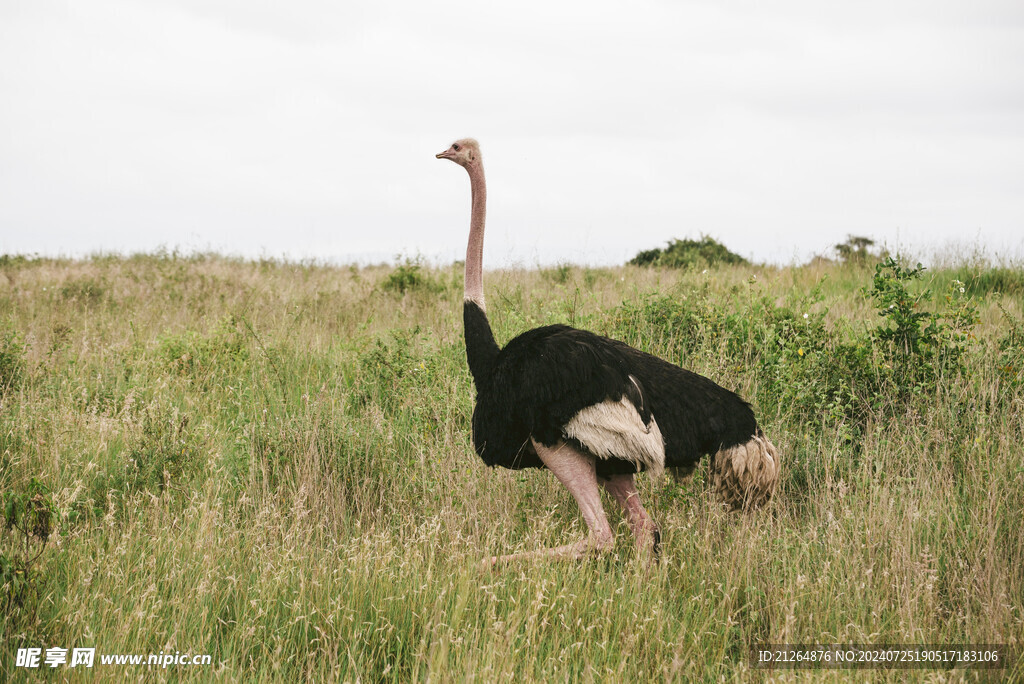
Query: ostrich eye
(455, 147)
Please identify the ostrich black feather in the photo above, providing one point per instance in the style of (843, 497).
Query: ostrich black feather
(541, 379)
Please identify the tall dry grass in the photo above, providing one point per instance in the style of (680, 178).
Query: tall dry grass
(270, 463)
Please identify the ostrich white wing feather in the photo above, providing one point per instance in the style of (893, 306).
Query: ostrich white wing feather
(614, 429)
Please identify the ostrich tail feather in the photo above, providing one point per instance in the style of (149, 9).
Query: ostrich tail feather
(746, 475)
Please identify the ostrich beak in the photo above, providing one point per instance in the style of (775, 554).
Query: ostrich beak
(443, 155)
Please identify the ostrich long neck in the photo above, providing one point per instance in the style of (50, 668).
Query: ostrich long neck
(481, 349)
(475, 248)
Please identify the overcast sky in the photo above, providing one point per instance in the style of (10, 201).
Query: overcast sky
(308, 129)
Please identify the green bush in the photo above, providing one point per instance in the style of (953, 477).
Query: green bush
(410, 276)
(203, 357)
(560, 274)
(163, 454)
(813, 374)
(86, 291)
(387, 369)
(688, 254)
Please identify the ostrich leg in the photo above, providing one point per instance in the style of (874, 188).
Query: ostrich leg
(577, 472)
(623, 489)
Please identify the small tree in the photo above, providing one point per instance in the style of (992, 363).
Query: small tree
(855, 250)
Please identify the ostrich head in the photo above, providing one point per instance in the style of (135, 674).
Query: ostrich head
(465, 153)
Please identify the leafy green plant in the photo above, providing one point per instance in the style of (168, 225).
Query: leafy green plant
(917, 342)
(1011, 349)
(28, 521)
(913, 330)
(12, 360)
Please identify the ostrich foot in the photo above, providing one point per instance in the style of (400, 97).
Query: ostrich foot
(648, 536)
(578, 472)
(593, 546)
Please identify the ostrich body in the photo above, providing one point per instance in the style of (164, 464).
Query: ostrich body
(595, 411)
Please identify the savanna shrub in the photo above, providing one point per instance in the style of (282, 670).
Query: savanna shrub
(559, 274)
(799, 366)
(809, 373)
(671, 326)
(385, 371)
(202, 357)
(688, 254)
(164, 453)
(86, 291)
(410, 276)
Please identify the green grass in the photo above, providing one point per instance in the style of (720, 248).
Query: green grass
(270, 463)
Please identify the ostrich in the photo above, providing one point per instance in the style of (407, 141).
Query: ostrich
(595, 411)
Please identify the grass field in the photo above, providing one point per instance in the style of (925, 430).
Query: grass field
(270, 463)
